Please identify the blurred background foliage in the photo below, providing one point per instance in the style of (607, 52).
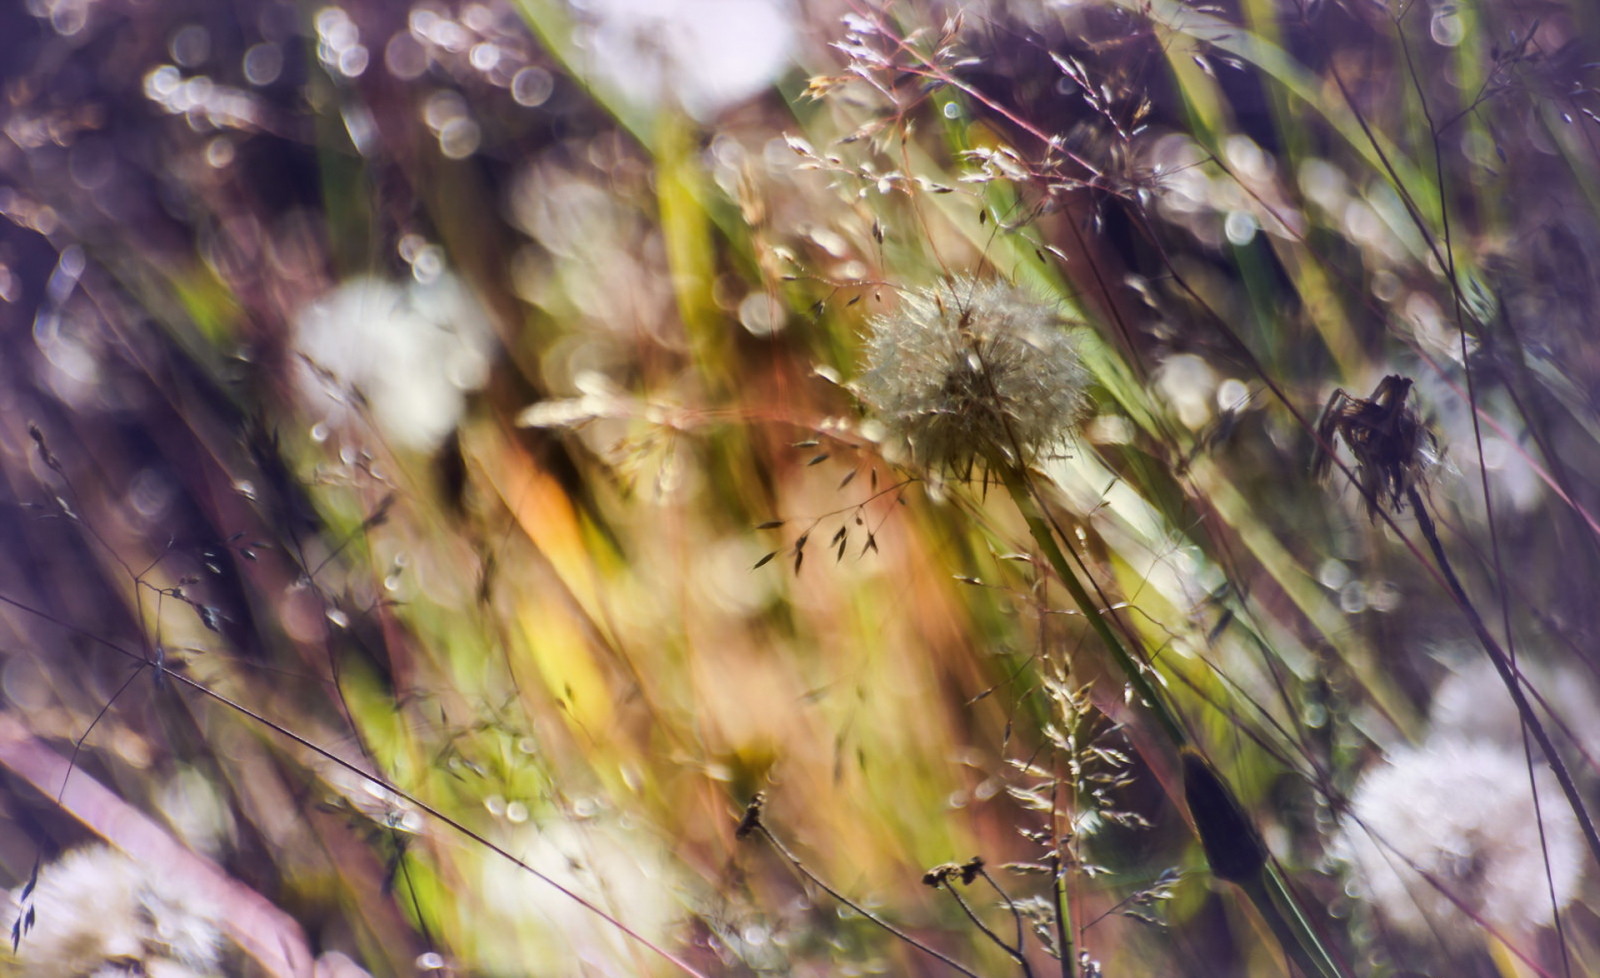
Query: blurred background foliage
(461, 394)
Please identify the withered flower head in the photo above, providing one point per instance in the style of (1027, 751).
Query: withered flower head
(1390, 443)
(974, 371)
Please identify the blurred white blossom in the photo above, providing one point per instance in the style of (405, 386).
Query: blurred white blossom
(974, 371)
(707, 55)
(619, 869)
(96, 912)
(411, 351)
(1509, 459)
(1189, 385)
(1472, 703)
(1441, 837)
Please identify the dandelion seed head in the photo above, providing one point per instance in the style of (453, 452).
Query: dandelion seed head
(974, 371)
(1460, 813)
(98, 912)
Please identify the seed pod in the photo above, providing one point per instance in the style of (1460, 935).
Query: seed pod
(1232, 845)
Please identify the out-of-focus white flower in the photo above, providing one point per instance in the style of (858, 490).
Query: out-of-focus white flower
(974, 371)
(1472, 704)
(618, 869)
(196, 811)
(1514, 474)
(1189, 385)
(706, 55)
(1442, 837)
(97, 912)
(412, 352)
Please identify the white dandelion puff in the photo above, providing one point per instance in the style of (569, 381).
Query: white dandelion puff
(1442, 841)
(96, 911)
(705, 55)
(974, 371)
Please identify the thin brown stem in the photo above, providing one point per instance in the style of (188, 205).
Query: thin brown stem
(1015, 953)
(817, 881)
(1508, 674)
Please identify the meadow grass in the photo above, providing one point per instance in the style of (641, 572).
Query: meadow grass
(758, 488)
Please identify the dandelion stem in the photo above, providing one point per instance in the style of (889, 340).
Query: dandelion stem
(1270, 895)
(1508, 674)
(1022, 495)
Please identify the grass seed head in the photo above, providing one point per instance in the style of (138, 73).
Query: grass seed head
(973, 371)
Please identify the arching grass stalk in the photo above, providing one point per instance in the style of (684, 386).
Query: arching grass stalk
(752, 824)
(944, 878)
(1221, 821)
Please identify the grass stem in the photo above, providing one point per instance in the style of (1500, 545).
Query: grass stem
(1508, 674)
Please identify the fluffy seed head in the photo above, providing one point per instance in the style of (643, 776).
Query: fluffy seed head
(1461, 813)
(97, 912)
(974, 371)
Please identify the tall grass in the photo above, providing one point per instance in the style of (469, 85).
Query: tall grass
(800, 489)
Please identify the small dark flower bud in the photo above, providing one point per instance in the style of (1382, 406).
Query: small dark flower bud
(752, 816)
(970, 869)
(1233, 847)
(940, 875)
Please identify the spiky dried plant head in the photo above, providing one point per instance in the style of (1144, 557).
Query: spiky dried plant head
(1391, 444)
(972, 371)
